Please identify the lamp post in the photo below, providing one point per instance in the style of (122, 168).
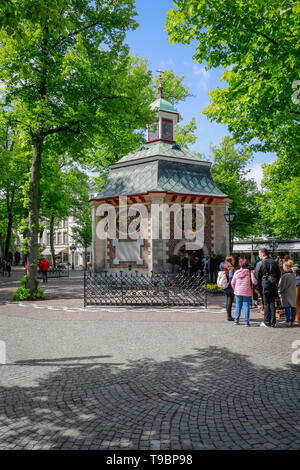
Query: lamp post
(229, 217)
(73, 249)
(273, 245)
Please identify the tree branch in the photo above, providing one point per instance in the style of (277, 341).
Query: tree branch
(64, 128)
(294, 112)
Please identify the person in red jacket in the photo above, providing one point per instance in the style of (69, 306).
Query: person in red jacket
(44, 266)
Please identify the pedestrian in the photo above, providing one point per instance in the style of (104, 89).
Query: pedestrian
(8, 267)
(44, 266)
(222, 264)
(213, 269)
(287, 290)
(229, 271)
(297, 273)
(2, 266)
(257, 260)
(205, 262)
(186, 264)
(242, 282)
(267, 273)
(196, 265)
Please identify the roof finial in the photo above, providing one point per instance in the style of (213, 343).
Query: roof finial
(160, 88)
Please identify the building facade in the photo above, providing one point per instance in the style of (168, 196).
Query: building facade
(64, 239)
(160, 174)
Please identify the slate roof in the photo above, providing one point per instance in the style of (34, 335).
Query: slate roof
(160, 176)
(166, 149)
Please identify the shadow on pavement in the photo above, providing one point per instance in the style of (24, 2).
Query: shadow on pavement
(211, 399)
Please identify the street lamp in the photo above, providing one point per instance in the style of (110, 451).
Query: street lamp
(273, 245)
(73, 249)
(229, 217)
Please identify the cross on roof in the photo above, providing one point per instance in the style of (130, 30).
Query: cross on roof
(160, 88)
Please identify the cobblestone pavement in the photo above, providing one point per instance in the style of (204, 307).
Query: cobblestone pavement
(114, 382)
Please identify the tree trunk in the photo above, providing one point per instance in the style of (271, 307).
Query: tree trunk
(8, 236)
(33, 219)
(9, 204)
(85, 257)
(51, 230)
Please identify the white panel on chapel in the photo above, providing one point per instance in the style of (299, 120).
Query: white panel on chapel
(128, 251)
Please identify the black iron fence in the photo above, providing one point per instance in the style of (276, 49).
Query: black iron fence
(56, 272)
(123, 288)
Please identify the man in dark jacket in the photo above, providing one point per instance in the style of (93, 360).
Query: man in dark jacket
(186, 264)
(268, 274)
(213, 268)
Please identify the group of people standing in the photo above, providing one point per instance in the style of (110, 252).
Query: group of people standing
(268, 279)
(5, 267)
(194, 263)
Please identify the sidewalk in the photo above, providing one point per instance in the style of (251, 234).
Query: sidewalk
(65, 302)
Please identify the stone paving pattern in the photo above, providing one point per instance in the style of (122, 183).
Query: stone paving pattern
(143, 378)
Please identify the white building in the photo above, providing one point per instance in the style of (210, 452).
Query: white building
(64, 240)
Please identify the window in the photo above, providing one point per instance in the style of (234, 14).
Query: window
(48, 238)
(65, 238)
(58, 238)
(153, 132)
(167, 129)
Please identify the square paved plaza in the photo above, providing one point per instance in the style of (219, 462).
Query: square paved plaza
(143, 378)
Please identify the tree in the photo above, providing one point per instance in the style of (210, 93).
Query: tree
(229, 171)
(14, 163)
(82, 230)
(257, 43)
(69, 77)
(185, 135)
(281, 206)
(62, 184)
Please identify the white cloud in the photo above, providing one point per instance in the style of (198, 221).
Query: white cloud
(167, 63)
(203, 76)
(256, 173)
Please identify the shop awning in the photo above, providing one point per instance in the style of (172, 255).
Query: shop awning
(292, 246)
(47, 251)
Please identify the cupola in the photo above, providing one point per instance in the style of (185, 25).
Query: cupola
(167, 118)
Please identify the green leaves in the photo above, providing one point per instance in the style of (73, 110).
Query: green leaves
(281, 205)
(185, 135)
(229, 171)
(259, 41)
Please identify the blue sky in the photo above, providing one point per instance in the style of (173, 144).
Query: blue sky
(151, 41)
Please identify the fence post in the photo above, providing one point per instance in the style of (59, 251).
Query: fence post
(168, 289)
(84, 289)
(122, 290)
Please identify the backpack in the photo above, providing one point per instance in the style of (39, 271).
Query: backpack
(222, 280)
(269, 279)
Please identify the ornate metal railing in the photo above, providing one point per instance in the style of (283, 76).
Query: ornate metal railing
(56, 272)
(123, 288)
